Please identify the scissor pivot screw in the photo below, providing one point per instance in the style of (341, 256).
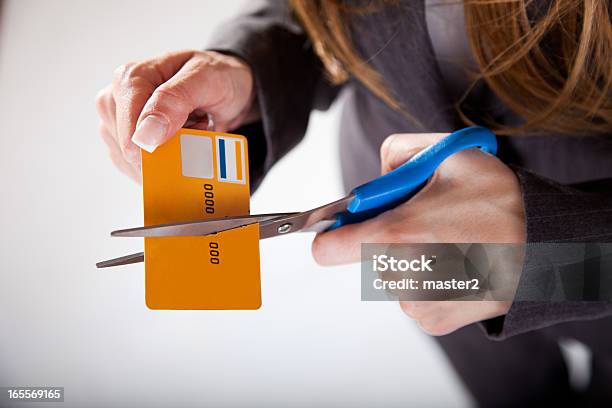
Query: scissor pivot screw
(285, 228)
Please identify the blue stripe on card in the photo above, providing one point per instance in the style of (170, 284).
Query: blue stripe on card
(222, 158)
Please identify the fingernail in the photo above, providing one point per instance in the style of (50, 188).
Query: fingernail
(150, 132)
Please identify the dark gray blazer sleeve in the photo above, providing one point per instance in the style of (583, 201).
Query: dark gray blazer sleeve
(289, 78)
(556, 213)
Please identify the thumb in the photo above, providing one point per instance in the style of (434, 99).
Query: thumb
(195, 87)
(399, 148)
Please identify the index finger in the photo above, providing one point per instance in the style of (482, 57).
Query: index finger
(343, 245)
(133, 85)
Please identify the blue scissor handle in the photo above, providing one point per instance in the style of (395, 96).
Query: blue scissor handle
(385, 192)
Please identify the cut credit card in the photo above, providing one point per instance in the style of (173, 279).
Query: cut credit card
(194, 176)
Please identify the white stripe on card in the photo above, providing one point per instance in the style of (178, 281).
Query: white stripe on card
(230, 160)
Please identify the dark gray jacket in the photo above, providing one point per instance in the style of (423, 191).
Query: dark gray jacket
(290, 82)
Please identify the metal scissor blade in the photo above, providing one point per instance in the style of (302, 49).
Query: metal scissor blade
(196, 228)
(122, 260)
(317, 219)
(270, 225)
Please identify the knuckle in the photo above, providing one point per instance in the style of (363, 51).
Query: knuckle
(137, 70)
(202, 62)
(121, 71)
(229, 89)
(173, 95)
(130, 71)
(222, 87)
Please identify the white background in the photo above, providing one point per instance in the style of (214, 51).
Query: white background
(64, 323)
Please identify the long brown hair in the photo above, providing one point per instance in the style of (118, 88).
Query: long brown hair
(568, 90)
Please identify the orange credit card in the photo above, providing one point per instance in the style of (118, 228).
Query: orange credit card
(198, 175)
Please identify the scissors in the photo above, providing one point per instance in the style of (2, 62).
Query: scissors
(364, 202)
